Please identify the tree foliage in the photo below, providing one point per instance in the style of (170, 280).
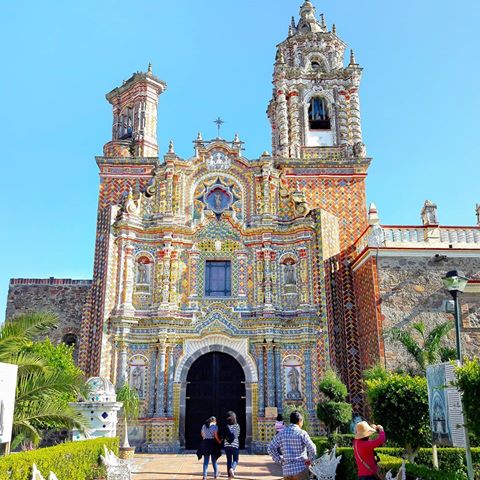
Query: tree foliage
(333, 411)
(430, 348)
(468, 382)
(130, 409)
(47, 378)
(289, 408)
(399, 403)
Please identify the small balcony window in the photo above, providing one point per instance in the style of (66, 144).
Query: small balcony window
(318, 117)
(218, 281)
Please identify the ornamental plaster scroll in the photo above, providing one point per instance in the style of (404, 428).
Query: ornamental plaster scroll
(237, 347)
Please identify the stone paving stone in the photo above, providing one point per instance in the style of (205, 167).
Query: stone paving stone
(187, 467)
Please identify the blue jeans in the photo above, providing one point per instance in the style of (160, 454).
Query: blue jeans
(232, 458)
(205, 465)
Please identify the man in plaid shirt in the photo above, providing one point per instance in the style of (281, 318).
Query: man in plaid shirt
(293, 449)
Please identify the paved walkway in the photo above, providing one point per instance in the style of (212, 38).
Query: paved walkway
(187, 467)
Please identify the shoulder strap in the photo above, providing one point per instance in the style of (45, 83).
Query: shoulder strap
(357, 454)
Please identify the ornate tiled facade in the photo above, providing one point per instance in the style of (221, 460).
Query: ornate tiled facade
(311, 276)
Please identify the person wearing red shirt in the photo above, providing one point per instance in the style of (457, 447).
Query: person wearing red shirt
(364, 449)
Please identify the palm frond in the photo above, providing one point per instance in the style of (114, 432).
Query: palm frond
(28, 325)
(409, 343)
(420, 328)
(435, 338)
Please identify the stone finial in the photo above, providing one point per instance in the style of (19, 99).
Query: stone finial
(352, 58)
(373, 218)
(477, 213)
(149, 68)
(429, 214)
(334, 29)
(265, 153)
(236, 139)
(199, 137)
(170, 147)
(322, 21)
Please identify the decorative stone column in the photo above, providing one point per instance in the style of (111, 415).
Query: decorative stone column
(303, 273)
(122, 363)
(174, 268)
(270, 375)
(294, 114)
(342, 118)
(171, 371)
(194, 255)
(153, 377)
(278, 378)
(260, 277)
(267, 275)
(354, 120)
(261, 378)
(242, 273)
(266, 172)
(282, 123)
(166, 279)
(125, 307)
(308, 379)
(169, 173)
(160, 396)
(158, 284)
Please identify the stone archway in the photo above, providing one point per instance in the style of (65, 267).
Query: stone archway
(237, 348)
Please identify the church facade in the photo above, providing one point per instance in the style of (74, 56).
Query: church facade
(222, 282)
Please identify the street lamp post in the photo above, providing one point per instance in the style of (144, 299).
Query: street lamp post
(455, 282)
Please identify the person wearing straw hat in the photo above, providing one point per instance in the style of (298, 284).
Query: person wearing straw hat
(364, 449)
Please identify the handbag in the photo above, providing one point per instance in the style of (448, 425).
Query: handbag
(376, 474)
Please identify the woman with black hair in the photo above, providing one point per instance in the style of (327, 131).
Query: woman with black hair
(210, 447)
(231, 443)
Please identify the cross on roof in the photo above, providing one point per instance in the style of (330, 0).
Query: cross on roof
(219, 123)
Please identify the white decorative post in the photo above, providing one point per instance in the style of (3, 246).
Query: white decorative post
(99, 410)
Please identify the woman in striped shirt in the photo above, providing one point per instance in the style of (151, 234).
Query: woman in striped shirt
(231, 443)
(210, 446)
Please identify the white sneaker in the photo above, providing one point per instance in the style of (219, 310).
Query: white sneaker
(231, 473)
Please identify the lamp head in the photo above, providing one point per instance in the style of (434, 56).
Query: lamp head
(455, 281)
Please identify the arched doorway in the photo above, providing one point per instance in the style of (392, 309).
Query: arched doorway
(215, 384)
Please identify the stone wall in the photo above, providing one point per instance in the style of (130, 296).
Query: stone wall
(63, 296)
(411, 290)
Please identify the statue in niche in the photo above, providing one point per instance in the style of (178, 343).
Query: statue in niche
(137, 380)
(289, 273)
(218, 200)
(142, 273)
(293, 383)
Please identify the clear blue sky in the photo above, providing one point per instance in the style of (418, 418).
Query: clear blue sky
(420, 104)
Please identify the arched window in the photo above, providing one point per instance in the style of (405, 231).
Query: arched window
(318, 117)
(126, 124)
(69, 339)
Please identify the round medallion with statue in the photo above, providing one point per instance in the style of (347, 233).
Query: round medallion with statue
(218, 198)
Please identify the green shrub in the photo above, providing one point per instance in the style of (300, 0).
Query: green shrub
(400, 404)
(322, 444)
(69, 461)
(347, 469)
(333, 411)
(468, 382)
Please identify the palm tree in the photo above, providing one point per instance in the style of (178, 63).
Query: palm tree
(430, 349)
(130, 409)
(41, 399)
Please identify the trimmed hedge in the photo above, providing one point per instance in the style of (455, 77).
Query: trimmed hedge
(451, 462)
(69, 461)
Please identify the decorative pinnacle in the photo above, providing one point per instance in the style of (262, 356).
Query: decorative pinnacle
(236, 138)
(199, 137)
(170, 147)
(322, 20)
(352, 58)
(149, 68)
(334, 28)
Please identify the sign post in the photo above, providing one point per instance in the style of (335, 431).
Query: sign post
(8, 384)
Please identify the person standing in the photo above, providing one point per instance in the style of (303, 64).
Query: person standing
(210, 446)
(293, 449)
(364, 449)
(279, 423)
(231, 443)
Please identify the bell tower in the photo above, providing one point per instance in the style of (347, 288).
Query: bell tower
(315, 98)
(135, 104)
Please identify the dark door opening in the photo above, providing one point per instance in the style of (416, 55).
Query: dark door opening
(215, 385)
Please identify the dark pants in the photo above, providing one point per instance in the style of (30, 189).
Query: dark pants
(232, 458)
(367, 477)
